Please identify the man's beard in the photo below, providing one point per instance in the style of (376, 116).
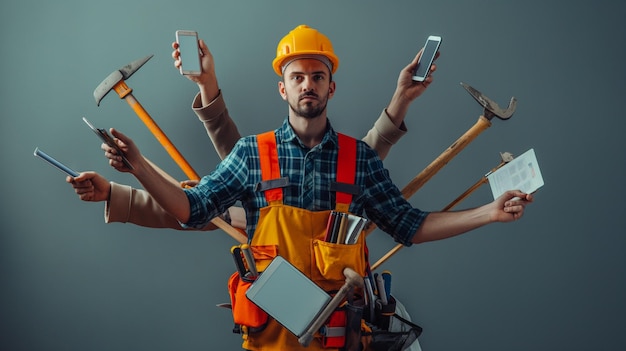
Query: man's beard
(309, 110)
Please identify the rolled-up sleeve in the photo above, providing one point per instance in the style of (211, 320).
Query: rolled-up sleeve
(384, 134)
(219, 190)
(386, 206)
(218, 124)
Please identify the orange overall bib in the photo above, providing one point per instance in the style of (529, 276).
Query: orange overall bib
(298, 235)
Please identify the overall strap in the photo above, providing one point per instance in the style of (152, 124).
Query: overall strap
(270, 168)
(272, 183)
(346, 171)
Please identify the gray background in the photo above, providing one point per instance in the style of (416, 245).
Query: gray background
(555, 280)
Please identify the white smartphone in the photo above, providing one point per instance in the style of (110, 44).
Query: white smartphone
(189, 52)
(428, 56)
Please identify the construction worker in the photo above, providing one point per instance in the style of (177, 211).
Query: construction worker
(124, 203)
(288, 181)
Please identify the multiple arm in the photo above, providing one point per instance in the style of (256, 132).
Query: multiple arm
(125, 204)
(141, 207)
(390, 127)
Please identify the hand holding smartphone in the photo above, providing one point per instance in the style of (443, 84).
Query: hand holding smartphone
(189, 52)
(428, 56)
(108, 139)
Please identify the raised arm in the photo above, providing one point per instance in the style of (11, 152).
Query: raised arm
(390, 127)
(209, 103)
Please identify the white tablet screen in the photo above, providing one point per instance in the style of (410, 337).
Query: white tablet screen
(287, 295)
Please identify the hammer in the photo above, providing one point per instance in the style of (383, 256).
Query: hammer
(117, 81)
(491, 109)
(352, 279)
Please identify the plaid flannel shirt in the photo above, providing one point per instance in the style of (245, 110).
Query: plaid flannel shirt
(310, 172)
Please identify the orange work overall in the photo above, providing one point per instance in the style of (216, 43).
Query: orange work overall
(298, 235)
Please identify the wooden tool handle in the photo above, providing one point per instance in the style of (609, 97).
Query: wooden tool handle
(126, 93)
(162, 138)
(443, 159)
(437, 164)
(352, 279)
(434, 167)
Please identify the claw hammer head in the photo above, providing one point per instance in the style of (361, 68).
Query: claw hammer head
(117, 76)
(491, 109)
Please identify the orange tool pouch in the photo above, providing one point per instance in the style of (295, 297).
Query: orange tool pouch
(245, 313)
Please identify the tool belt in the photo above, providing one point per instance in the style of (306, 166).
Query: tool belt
(364, 322)
(255, 324)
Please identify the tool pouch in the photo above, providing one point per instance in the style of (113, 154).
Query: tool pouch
(402, 335)
(329, 256)
(383, 313)
(245, 313)
(390, 332)
(354, 317)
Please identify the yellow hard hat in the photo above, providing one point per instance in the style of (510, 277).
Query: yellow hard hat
(304, 41)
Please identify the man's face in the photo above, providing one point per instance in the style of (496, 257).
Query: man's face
(307, 87)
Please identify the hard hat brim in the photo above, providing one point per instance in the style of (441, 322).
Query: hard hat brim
(278, 62)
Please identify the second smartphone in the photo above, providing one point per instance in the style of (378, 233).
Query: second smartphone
(189, 52)
(428, 56)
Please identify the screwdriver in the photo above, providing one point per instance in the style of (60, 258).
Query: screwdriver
(247, 254)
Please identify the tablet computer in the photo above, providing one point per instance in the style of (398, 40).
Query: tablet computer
(289, 296)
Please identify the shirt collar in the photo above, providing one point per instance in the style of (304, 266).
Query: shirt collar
(286, 134)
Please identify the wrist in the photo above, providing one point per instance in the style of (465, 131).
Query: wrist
(208, 92)
(397, 108)
(143, 167)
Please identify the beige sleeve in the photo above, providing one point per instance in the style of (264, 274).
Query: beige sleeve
(130, 205)
(117, 208)
(384, 134)
(218, 124)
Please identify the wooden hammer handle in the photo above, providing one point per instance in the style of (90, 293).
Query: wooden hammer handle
(443, 159)
(126, 93)
(434, 167)
(352, 279)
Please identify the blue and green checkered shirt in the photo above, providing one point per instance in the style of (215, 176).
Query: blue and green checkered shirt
(310, 172)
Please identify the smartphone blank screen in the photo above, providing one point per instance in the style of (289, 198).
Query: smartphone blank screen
(188, 46)
(428, 55)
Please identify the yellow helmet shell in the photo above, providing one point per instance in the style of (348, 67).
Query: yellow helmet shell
(303, 40)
